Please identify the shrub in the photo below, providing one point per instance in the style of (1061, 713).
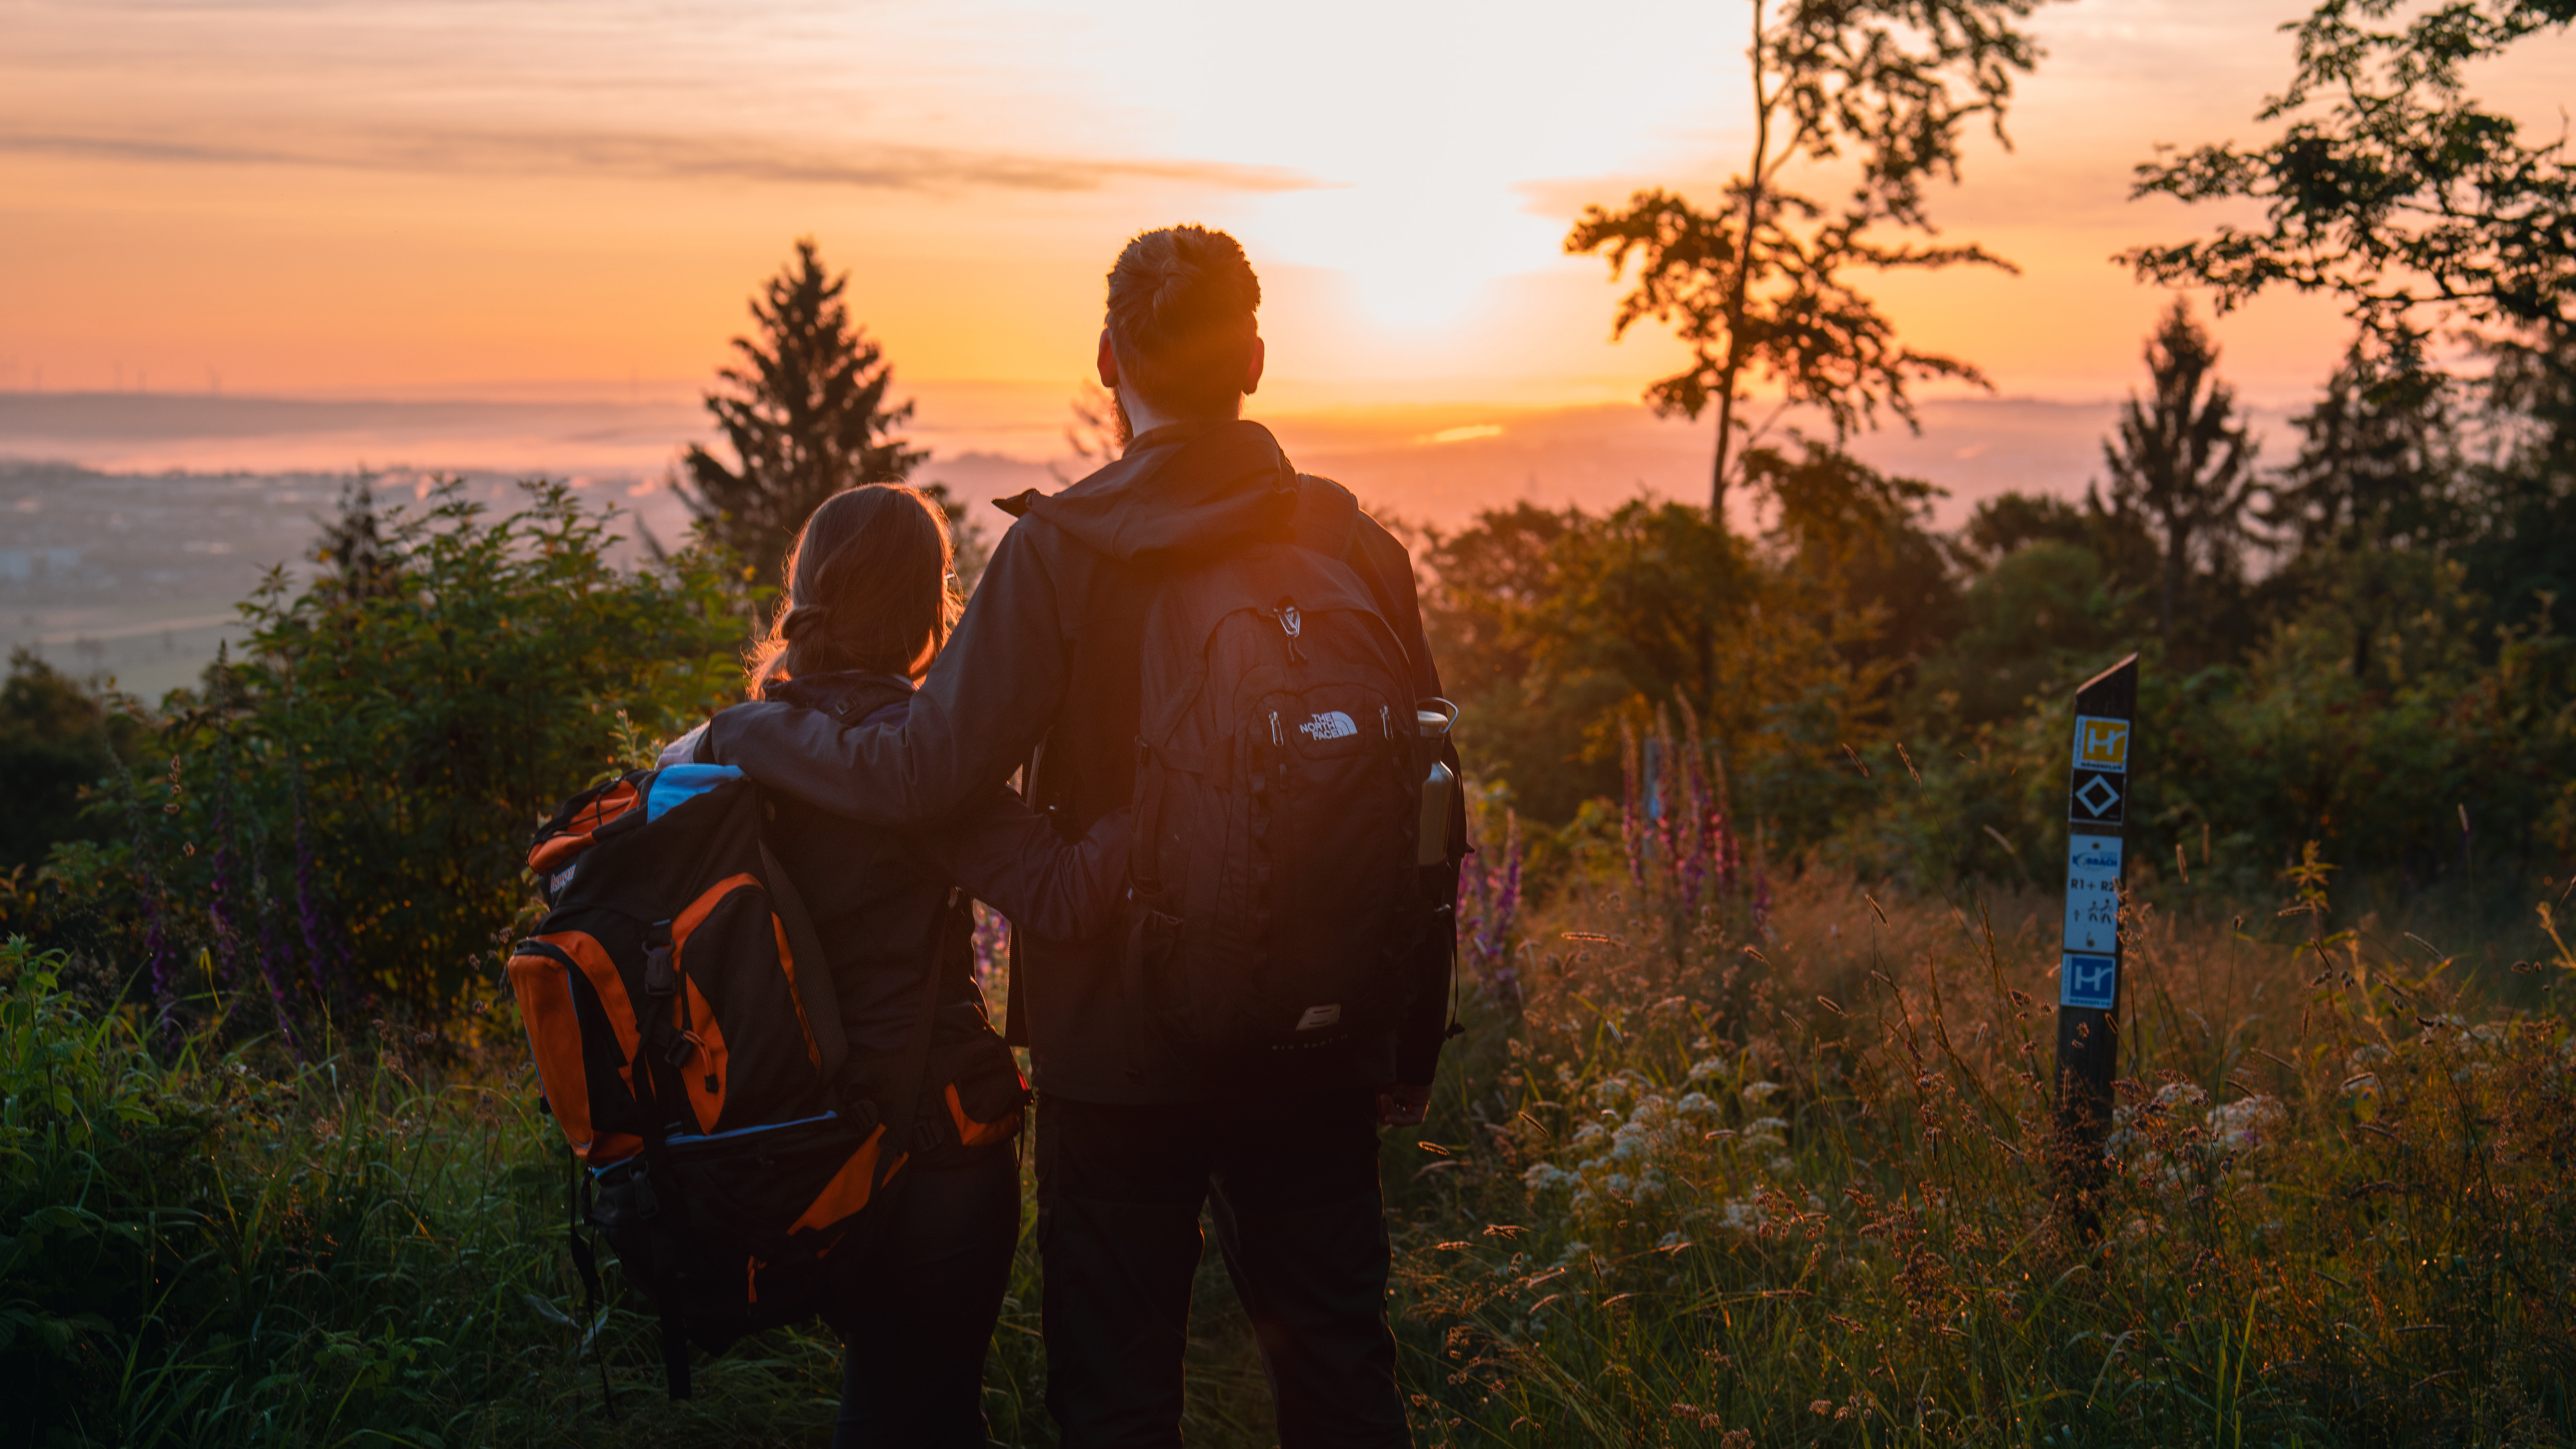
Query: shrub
(340, 821)
(54, 742)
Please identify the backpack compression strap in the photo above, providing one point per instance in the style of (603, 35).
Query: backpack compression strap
(816, 994)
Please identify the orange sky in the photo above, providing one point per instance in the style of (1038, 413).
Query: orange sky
(469, 196)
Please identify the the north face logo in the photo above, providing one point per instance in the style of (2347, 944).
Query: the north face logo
(1332, 724)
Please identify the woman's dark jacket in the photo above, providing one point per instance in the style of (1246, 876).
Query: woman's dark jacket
(888, 903)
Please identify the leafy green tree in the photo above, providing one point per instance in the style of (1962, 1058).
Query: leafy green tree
(54, 744)
(2009, 522)
(2044, 616)
(349, 801)
(805, 417)
(1861, 544)
(1757, 285)
(1548, 622)
(2183, 463)
(2389, 186)
(1558, 625)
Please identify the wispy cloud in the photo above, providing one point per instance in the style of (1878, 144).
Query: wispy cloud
(661, 157)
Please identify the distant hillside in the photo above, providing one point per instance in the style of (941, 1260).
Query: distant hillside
(134, 522)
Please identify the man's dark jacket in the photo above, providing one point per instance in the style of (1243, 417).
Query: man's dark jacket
(1043, 673)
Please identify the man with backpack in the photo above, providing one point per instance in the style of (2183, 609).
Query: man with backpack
(1234, 650)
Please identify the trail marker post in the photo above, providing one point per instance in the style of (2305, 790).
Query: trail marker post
(2101, 771)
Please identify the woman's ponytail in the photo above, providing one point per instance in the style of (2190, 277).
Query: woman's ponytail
(866, 586)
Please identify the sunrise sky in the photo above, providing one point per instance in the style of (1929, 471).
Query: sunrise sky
(471, 197)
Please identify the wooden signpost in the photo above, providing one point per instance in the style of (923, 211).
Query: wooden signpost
(2101, 768)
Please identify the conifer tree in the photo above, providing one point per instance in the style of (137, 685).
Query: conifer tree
(805, 417)
(2377, 460)
(2184, 459)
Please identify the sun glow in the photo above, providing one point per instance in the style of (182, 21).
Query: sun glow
(429, 194)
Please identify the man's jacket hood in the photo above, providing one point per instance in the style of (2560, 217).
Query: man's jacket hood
(1228, 485)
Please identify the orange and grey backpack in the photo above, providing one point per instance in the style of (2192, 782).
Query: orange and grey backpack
(689, 1044)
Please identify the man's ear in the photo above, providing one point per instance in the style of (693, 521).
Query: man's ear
(1252, 372)
(1108, 361)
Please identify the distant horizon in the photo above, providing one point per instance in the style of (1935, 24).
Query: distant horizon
(1434, 462)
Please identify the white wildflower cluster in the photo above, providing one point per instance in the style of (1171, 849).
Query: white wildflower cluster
(2248, 1123)
(1740, 1214)
(2477, 1047)
(1631, 1155)
(2203, 1138)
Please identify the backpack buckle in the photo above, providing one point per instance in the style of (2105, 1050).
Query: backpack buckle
(659, 978)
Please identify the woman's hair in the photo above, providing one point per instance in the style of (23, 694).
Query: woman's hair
(867, 586)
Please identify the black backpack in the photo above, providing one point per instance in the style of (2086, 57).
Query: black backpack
(685, 1029)
(1277, 903)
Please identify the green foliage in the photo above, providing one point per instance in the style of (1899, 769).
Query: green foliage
(222, 1248)
(2389, 186)
(806, 417)
(346, 807)
(54, 743)
(2044, 614)
(1756, 286)
(1860, 544)
(2522, 549)
(2430, 762)
(2378, 466)
(1788, 650)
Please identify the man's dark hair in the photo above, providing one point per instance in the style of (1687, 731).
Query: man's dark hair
(1181, 301)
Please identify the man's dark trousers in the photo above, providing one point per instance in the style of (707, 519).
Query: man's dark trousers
(1300, 1220)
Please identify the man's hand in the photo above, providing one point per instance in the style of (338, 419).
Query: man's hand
(1404, 1104)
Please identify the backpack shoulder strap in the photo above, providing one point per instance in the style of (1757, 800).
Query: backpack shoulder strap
(1328, 516)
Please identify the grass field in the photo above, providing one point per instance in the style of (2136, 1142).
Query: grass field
(1690, 1180)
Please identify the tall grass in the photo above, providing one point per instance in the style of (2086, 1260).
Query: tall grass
(1787, 1184)
(235, 1249)
(1694, 1178)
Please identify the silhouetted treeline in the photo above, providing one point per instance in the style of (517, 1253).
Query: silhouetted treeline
(2358, 643)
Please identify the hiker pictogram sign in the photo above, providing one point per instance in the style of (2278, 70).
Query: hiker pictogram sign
(2093, 893)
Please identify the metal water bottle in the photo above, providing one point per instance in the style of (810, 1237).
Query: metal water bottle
(1435, 717)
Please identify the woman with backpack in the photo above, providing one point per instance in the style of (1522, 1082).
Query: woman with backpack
(868, 601)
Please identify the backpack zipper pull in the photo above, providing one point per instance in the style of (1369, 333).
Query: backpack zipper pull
(1290, 622)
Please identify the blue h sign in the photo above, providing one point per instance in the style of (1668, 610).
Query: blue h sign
(2088, 980)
